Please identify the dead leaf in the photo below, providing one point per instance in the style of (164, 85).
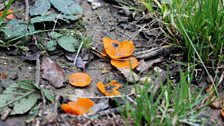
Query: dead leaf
(153, 52)
(3, 76)
(98, 107)
(145, 65)
(144, 80)
(152, 32)
(138, 90)
(105, 70)
(70, 56)
(216, 103)
(80, 63)
(87, 55)
(52, 72)
(31, 54)
(130, 75)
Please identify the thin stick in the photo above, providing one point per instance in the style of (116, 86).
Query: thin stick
(80, 47)
(136, 33)
(71, 97)
(37, 76)
(27, 11)
(108, 111)
(5, 58)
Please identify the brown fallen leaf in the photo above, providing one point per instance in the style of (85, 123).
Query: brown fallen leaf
(99, 107)
(3, 76)
(130, 75)
(145, 65)
(83, 60)
(155, 84)
(216, 103)
(52, 72)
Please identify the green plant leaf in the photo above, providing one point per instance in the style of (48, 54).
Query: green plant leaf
(40, 7)
(67, 6)
(22, 96)
(53, 17)
(55, 35)
(49, 94)
(16, 28)
(68, 43)
(51, 45)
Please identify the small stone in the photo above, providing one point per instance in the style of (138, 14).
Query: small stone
(94, 4)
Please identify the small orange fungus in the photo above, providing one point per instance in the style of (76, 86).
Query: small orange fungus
(222, 112)
(79, 79)
(9, 14)
(81, 106)
(110, 89)
(116, 49)
(131, 62)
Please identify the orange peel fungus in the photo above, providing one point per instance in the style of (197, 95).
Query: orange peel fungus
(130, 63)
(79, 107)
(116, 49)
(10, 14)
(110, 89)
(79, 79)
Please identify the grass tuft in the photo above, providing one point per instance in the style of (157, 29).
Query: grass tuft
(173, 105)
(201, 20)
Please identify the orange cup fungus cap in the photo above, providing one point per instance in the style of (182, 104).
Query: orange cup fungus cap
(222, 112)
(130, 63)
(10, 14)
(116, 49)
(79, 79)
(81, 106)
(110, 89)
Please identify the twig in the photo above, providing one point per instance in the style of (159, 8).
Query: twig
(73, 97)
(154, 52)
(221, 79)
(5, 58)
(136, 33)
(55, 23)
(80, 47)
(27, 11)
(108, 111)
(37, 76)
(131, 100)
